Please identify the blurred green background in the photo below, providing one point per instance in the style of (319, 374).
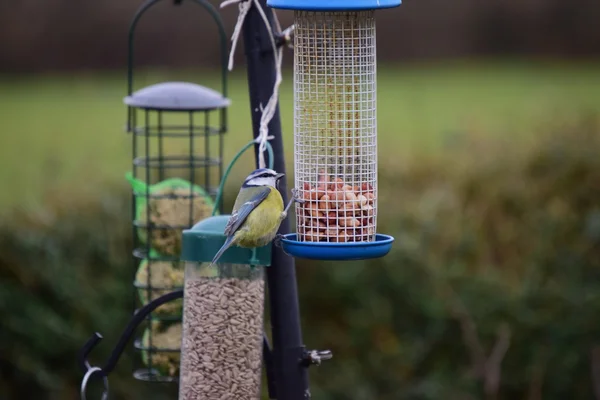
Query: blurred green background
(489, 170)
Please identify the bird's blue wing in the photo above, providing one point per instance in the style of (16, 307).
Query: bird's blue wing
(239, 214)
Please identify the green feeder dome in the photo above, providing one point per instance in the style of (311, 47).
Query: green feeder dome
(203, 241)
(177, 96)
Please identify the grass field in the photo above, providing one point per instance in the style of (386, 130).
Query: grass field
(67, 130)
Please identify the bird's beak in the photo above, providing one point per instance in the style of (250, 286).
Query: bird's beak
(279, 176)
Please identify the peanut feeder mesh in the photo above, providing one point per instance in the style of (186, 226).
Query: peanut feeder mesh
(335, 126)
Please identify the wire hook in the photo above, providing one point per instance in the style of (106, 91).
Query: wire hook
(118, 350)
(90, 372)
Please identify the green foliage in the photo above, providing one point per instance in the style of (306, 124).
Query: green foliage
(65, 274)
(493, 281)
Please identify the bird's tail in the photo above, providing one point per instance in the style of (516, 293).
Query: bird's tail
(225, 246)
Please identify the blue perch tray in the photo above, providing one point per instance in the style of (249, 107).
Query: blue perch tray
(333, 5)
(337, 251)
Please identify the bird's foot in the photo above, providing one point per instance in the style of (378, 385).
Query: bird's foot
(296, 197)
(277, 240)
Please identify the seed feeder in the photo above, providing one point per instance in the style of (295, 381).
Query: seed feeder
(222, 343)
(221, 348)
(335, 129)
(177, 152)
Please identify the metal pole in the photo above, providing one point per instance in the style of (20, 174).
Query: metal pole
(291, 376)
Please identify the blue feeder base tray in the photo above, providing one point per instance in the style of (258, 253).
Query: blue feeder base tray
(337, 251)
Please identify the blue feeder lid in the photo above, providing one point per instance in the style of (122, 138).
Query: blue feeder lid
(333, 5)
(202, 241)
(177, 96)
(337, 251)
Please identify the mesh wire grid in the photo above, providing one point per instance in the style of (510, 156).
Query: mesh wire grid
(335, 126)
(167, 145)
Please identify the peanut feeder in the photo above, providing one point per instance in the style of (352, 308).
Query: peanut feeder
(335, 129)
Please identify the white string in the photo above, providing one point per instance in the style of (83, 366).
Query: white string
(244, 7)
(276, 20)
(269, 111)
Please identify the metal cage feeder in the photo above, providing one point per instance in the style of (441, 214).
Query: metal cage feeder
(179, 149)
(335, 129)
(183, 202)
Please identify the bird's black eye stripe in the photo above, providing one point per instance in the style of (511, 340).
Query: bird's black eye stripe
(263, 175)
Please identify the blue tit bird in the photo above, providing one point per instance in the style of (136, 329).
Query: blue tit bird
(257, 213)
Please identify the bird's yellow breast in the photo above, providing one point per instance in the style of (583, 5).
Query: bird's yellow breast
(263, 222)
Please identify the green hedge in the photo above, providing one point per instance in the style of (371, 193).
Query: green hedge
(492, 290)
(65, 273)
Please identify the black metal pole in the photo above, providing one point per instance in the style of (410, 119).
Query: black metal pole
(291, 376)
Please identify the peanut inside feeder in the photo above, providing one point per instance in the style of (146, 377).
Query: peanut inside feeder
(335, 135)
(336, 212)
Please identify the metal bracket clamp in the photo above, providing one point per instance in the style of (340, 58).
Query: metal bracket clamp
(285, 37)
(315, 357)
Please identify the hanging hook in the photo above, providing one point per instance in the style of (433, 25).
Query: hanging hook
(96, 338)
(86, 378)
